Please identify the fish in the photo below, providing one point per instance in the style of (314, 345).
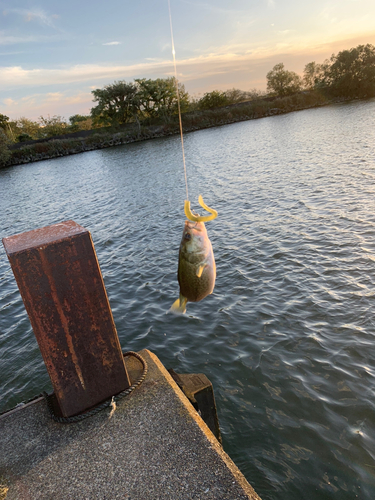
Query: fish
(196, 266)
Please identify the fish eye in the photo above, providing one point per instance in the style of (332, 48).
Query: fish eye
(187, 236)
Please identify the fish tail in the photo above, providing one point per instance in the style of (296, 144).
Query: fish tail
(179, 306)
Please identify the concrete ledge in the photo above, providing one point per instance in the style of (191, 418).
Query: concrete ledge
(154, 447)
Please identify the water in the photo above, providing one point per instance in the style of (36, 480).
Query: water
(287, 338)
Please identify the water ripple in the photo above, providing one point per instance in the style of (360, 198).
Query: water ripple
(287, 336)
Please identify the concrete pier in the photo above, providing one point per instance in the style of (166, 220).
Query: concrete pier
(154, 446)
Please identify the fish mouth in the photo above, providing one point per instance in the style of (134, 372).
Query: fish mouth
(194, 226)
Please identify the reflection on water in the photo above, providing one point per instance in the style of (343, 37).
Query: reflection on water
(287, 337)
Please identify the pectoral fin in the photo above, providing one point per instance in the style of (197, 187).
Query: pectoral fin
(179, 306)
(200, 270)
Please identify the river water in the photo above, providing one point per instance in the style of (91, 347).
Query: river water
(287, 337)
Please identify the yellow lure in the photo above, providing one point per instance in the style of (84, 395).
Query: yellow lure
(199, 218)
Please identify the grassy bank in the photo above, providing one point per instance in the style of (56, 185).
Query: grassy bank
(107, 137)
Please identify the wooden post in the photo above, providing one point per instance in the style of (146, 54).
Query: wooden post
(59, 278)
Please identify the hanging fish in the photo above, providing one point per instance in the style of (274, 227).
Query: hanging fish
(196, 264)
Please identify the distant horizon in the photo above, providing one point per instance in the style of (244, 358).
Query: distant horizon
(50, 62)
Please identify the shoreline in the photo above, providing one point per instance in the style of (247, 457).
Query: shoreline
(76, 143)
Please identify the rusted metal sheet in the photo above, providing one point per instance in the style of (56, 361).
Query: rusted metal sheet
(59, 278)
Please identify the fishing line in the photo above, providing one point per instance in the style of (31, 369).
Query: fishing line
(178, 100)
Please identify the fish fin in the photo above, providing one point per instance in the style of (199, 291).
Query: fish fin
(200, 270)
(179, 306)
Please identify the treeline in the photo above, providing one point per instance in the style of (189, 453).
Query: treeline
(23, 129)
(349, 74)
(142, 101)
(131, 132)
(146, 103)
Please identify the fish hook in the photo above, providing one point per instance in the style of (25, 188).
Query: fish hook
(199, 218)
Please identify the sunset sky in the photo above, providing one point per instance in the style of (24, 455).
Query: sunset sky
(54, 53)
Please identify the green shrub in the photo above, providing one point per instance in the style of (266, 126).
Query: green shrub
(41, 147)
(24, 137)
(5, 154)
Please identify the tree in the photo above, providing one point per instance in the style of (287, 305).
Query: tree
(24, 127)
(255, 94)
(5, 125)
(236, 95)
(313, 74)
(214, 99)
(283, 82)
(351, 73)
(52, 126)
(24, 137)
(158, 98)
(80, 122)
(117, 103)
(4, 121)
(4, 150)
(78, 118)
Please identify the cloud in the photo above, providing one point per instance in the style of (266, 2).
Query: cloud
(38, 15)
(81, 97)
(9, 102)
(66, 90)
(112, 43)
(52, 103)
(13, 53)
(213, 7)
(227, 59)
(54, 96)
(16, 76)
(224, 60)
(11, 39)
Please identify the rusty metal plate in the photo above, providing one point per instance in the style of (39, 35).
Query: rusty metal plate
(58, 274)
